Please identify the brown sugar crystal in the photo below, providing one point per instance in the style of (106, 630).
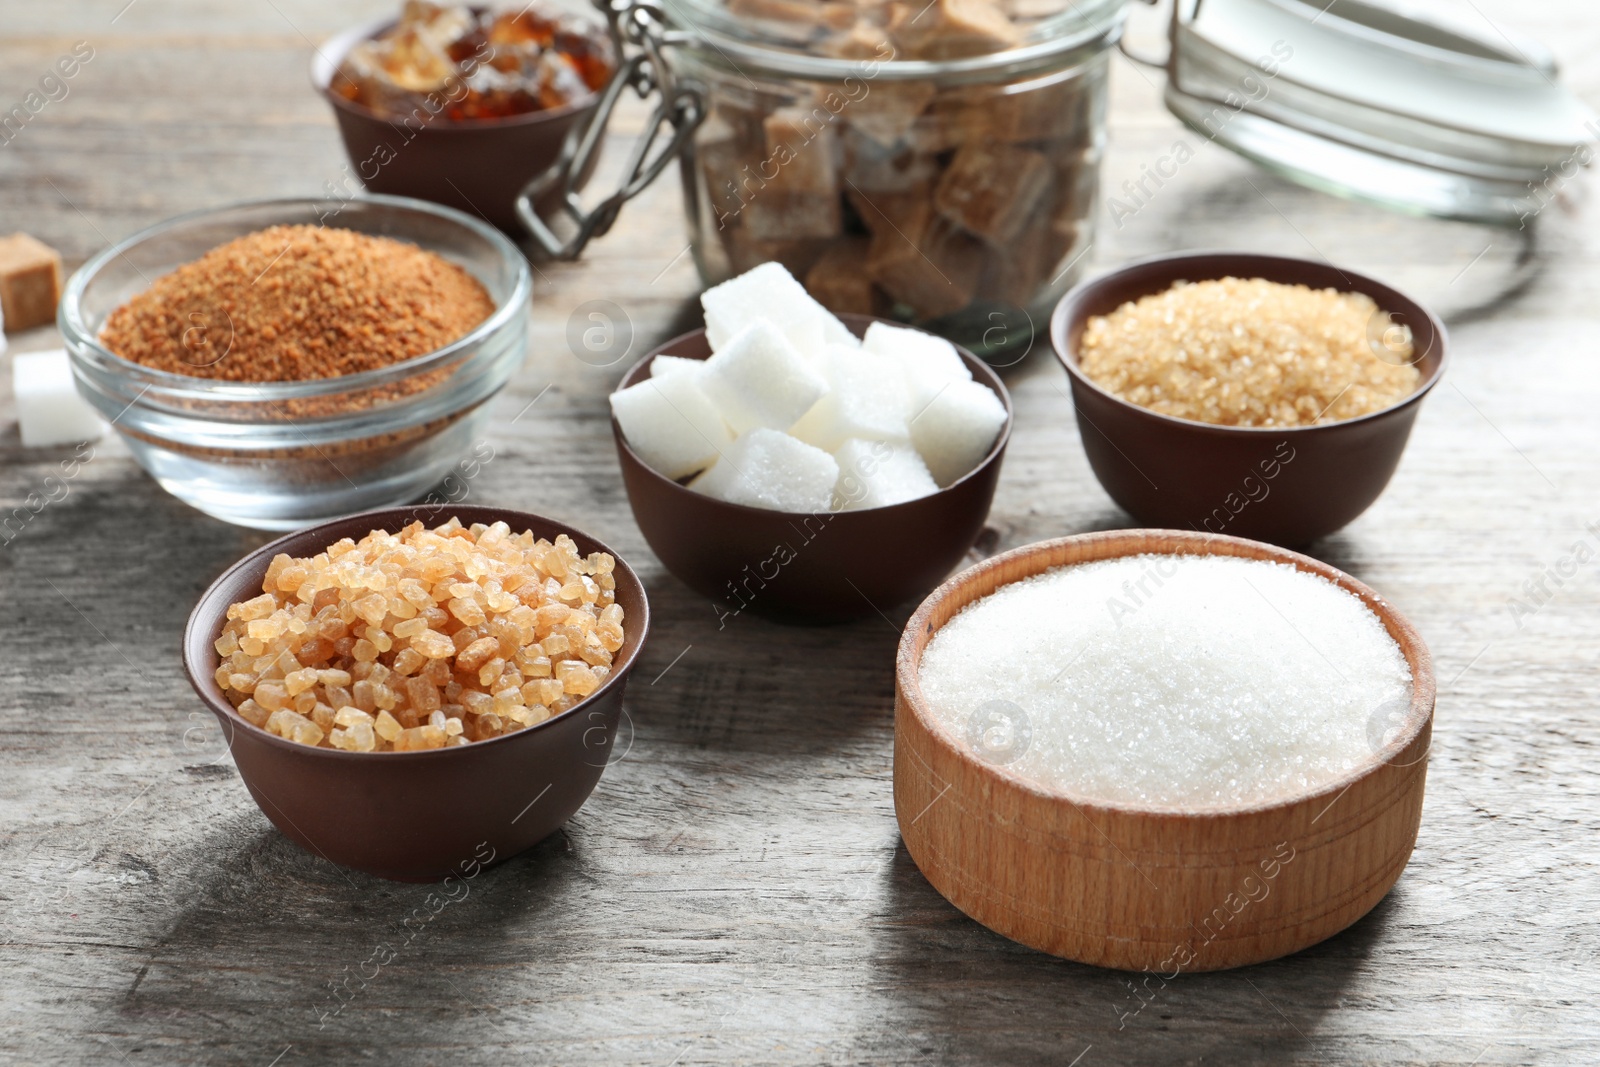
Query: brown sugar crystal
(1249, 352)
(293, 303)
(421, 639)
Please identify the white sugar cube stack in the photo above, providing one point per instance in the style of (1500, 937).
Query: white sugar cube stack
(957, 428)
(671, 424)
(769, 469)
(758, 379)
(793, 413)
(875, 474)
(662, 366)
(866, 397)
(770, 292)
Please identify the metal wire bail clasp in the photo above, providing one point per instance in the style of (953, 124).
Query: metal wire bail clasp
(639, 31)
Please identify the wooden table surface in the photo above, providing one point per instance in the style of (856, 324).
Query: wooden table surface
(736, 891)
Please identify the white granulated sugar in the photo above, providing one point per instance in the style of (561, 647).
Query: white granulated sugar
(1169, 681)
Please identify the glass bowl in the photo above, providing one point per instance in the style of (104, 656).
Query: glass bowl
(281, 455)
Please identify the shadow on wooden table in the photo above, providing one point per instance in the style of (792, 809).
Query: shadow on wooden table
(965, 995)
(323, 958)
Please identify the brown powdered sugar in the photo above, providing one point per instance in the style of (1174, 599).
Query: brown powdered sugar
(1249, 352)
(294, 303)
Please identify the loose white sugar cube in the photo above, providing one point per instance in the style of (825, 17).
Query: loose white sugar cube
(759, 379)
(930, 363)
(957, 429)
(671, 424)
(769, 469)
(875, 474)
(662, 366)
(867, 398)
(49, 408)
(769, 291)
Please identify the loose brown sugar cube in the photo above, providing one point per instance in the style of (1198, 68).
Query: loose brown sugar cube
(30, 282)
(839, 279)
(950, 29)
(927, 264)
(993, 190)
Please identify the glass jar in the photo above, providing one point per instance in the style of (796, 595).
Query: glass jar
(932, 161)
(954, 191)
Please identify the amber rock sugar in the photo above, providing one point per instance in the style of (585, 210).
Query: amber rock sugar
(421, 639)
(1249, 352)
(293, 303)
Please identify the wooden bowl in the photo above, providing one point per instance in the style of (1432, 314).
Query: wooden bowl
(798, 567)
(1287, 485)
(418, 816)
(1147, 889)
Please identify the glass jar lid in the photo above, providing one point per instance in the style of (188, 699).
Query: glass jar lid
(902, 39)
(1398, 105)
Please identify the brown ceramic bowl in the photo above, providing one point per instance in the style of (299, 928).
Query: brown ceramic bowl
(474, 166)
(418, 816)
(846, 564)
(1286, 486)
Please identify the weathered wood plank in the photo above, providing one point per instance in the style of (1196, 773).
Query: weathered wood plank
(735, 891)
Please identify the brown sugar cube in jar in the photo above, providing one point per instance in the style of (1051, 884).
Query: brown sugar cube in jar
(839, 279)
(1077, 177)
(796, 20)
(951, 29)
(887, 213)
(992, 190)
(872, 167)
(1048, 114)
(745, 251)
(727, 165)
(30, 282)
(927, 264)
(863, 40)
(801, 199)
(1016, 272)
(890, 111)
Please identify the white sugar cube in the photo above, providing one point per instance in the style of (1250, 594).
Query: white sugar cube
(759, 379)
(662, 366)
(769, 469)
(867, 398)
(957, 429)
(930, 363)
(49, 408)
(769, 291)
(875, 474)
(671, 424)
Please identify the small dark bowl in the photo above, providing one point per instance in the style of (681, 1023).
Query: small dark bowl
(476, 166)
(1286, 486)
(418, 816)
(846, 564)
